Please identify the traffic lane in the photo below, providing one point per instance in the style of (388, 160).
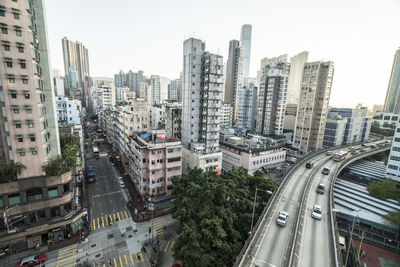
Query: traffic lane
(268, 252)
(315, 248)
(106, 193)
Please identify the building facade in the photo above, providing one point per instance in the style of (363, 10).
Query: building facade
(296, 73)
(245, 44)
(175, 90)
(202, 96)
(246, 108)
(233, 72)
(392, 100)
(393, 165)
(386, 119)
(155, 85)
(226, 115)
(313, 107)
(153, 161)
(173, 112)
(69, 110)
(271, 102)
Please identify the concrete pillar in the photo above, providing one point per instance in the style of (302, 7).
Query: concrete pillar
(23, 197)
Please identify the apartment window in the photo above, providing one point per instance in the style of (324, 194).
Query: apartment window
(8, 62)
(23, 65)
(397, 139)
(16, 15)
(4, 30)
(15, 109)
(6, 47)
(395, 158)
(393, 167)
(396, 148)
(34, 194)
(66, 188)
(37, 216)
(30, 123)
(17, 123)
(13, 94)
(28, 108)
(68, 207)
(34, 150)
(21, 152)
(55, 212)
(52, 192)
(173, 160)
(18, 32)
(11, 79)
(24, 80)
(14, 199)
(20, 138)
(2, 13)
(32, 137)
(21, 49)
(153, 162)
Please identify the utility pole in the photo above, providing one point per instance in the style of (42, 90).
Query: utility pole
(254, 206)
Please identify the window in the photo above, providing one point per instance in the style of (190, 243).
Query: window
(393, 167)
(1, 203)
(396, 148)
(395, 158)
(21, 152)
(18, 32)
(30, 123)
(13, 94)
(15, 108)
(66, 188)
(55, 212)
(2, 13)
(17, 123)
(4, 30)
(32, 137)
(20, 138)
(20, 47)
(6, 47)
(16, 16)
(34, 194)
(28, 108)
(397, 139)
(37, 216)
(9, 64)
(52, 192)
(24, 80)
(14, 199)
(23, 65)
(11, 80)
(173, 160)
(26, 94)
(34, 150)
(68, 207)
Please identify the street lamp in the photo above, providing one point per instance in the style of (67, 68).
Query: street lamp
(351, 236)
(254, 206)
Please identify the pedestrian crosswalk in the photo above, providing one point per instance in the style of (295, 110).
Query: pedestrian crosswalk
(109, 219)
(129, 259)
(157, 227)
(67, 256)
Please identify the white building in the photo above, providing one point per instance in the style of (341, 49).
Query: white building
(245, 44)
(120, 91)
(173, 121)
(385, 119)
(246, 108)
(59, 85)
(296, 73)
(393, 166)
(226, 115)
(271, 102)
(155, 89)
(202, 95)
(175, 90)
(105, 91)
(69, 110)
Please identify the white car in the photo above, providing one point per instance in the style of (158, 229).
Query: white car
(121, 184)
(282, 219)
(317, 212)
(119, 178)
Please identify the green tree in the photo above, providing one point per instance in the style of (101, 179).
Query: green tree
(10, 172)
(215, 213)
(393, 217)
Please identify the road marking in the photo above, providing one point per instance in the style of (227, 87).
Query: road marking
(141, 255)
(126, 215)
(130, 255)
(120, 261)
(102, 221)
(106, 220)
(136, 257)
(126, 261)
(114, 217)
(166, 247)
(67, 262)
(115, 262)
(147, 259)
(119, 218)
(98, 223)
(172, 244)
(94, 224)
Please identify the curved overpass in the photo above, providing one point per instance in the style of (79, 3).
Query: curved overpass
(304, 241)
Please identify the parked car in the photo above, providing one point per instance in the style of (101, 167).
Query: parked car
(121, 184)
(317, 212)
(282, 218)
(31, 261)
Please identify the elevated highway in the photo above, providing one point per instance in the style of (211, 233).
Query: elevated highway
(304, 241)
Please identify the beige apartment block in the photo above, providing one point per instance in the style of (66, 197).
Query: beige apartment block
(313, 106)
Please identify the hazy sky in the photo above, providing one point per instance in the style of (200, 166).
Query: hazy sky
(359, 36)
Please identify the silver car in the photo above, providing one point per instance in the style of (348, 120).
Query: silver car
(282, 219)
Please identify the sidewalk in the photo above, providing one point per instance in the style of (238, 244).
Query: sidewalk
(13, 258)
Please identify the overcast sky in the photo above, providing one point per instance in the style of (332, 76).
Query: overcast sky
(361, 37)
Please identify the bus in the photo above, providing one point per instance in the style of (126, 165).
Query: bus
(90, 175)
(95, 152)
(339, 156)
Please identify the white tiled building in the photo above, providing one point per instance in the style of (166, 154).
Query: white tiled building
(393, 166)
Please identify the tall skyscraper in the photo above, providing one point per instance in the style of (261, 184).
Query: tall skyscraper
(202, 96)
(296, 73)
(313, 107)
(155, 89)
(246, 108)
(271, 103)
(245, 44)
(175, 90)
(76, 57)
(120, 79)
(393, 165)
(233, 72)
(29, 133)
(392, 100)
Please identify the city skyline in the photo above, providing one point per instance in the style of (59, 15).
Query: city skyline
(355, 35)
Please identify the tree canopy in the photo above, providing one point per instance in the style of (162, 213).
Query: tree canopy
(384, 190)
(67, 160)
(9, 172)
(215, 213)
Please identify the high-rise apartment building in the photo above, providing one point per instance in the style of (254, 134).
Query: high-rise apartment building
(202, 96)
(392, 100)
(175, 90)
(246, 108)
(37, 207)
(76, 58)
(233, 72)
(245, 44)
(313, 106)
(393, 165)
(226, 115)
(120, 79)
(296, 73)
(271, 102)
(155, 84)
(131, 80)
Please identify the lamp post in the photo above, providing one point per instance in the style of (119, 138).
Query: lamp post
(254, 206)
(351, 237)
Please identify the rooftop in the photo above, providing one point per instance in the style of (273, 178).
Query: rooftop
(368, 169)
(249, 148)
